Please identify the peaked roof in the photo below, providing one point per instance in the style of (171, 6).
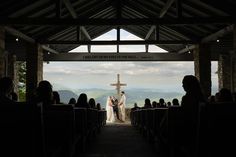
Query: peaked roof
(63, 25)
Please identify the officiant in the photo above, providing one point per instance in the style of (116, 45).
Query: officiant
(122, 106)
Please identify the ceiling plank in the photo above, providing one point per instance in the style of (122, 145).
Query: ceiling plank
(122, 42)
(115, 22)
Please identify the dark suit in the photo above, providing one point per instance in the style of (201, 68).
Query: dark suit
(115, 108)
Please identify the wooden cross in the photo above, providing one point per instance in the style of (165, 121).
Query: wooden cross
(118, 84)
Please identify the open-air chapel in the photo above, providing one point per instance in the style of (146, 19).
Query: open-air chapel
(44, 31)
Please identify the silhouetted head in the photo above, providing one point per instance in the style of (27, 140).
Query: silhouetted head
(225, 95)
(161, 101)
(190, 83)
(44, 91)
(154, 104)
(56, 97)
(147, 103)
(122, 93)
(72, 101)
(82, 98)
(135, 104)
(99, 106)
(6, 86)
(175, 102)
(192, 86)
(92, 103)
(168, 103)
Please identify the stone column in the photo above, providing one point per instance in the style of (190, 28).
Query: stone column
(202, 67)
(2, 53)
(12, 70)
(233, 62)
(34, 68)
(224, 71)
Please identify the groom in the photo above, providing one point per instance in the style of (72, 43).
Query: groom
(122, 106)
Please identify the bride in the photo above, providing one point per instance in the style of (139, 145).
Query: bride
(109, 109)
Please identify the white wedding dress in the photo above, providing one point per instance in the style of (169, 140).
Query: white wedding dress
(110, 112)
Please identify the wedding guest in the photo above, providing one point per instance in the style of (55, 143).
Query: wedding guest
(135, 107)
(99, 106)
(190, 107)
(6, 88)
(154, 104)
(147, 103)
(175, 102)
(44, 93)
(92, 103)
(56, 98)
(225, 95)
(162, 102)
(82, 101)
(72, 101)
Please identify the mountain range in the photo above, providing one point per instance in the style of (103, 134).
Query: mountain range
(132, 95)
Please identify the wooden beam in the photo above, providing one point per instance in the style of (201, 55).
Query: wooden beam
(19, 34)
(162, 13)
(218, 34)
(47, 48)
(114, 22)
(166, 7)
(122, 42)
(74, 15)
(211, 37)
(149, 33)
(25, 37)
(142, 56)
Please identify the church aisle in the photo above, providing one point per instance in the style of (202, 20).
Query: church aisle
(120, 140)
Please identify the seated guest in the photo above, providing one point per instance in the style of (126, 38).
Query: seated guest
(225, 95)
(147, 103)
(44, 93)
(162, 102)
(6, 88)
(175, 102)
(154, 104)
(135, 107)
(168, 104)
(99, 106)
(92, 103)
(56, 98)
(72, 101)
(82, 101)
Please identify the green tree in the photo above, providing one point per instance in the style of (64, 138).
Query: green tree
(22, 80)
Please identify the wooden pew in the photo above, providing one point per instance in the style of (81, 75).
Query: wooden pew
(59, 130)
(21, 130)
(217, 130)
(81, 128)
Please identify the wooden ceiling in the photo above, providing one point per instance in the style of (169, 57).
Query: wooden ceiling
(174, 25)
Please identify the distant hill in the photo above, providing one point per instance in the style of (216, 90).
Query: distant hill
(133, 95)
(65, 95)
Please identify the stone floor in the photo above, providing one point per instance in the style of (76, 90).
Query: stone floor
(119, 140)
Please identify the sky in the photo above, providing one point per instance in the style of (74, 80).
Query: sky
(165, 76)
